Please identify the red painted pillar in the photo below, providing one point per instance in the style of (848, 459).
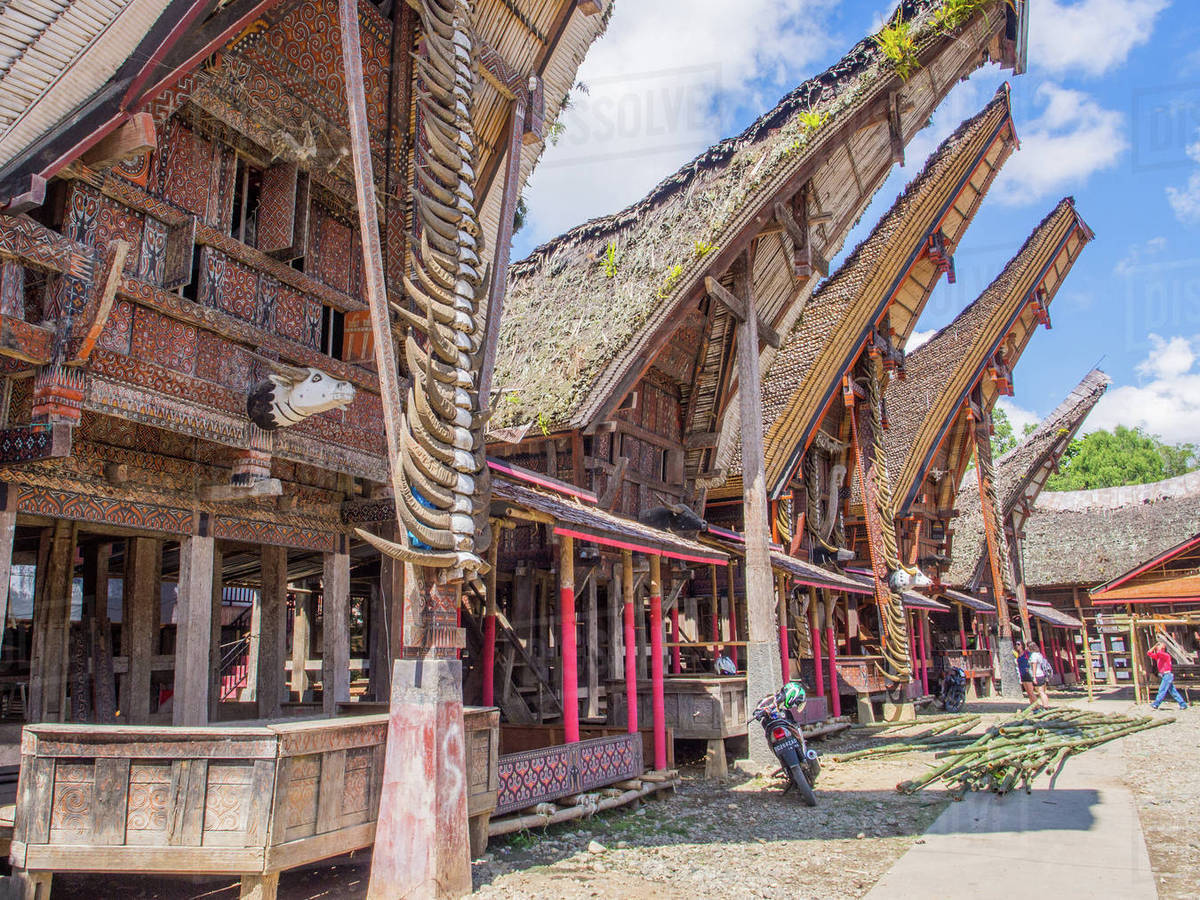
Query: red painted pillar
(716, 620)
(962, 632)
(784, 653)
(733, 635)
(658, 704)
(570, 657)
(835, 697)
(676, 667)
(631, 692)
(816, 642)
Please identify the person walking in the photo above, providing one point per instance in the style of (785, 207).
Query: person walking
(1162, 659)
(1023, 671)
(1040, 672)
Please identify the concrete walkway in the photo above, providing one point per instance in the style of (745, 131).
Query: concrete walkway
(1083, 838)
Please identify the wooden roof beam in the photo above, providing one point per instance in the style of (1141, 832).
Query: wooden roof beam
(737, 308)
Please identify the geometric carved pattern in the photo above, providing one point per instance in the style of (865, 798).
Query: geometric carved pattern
(59, 504)
(534, 776)
(159, 339)
(187, 169)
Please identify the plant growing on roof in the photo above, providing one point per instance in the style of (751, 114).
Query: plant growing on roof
(611, 259)
(899, 45)
(543, 424)
(955, 12)
(672, 279)
(811, 120)
(703, 248)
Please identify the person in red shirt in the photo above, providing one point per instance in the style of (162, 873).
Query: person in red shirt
(1162, 659)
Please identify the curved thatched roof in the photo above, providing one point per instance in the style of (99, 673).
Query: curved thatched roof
(837, 319)
(1087, 538)
(941, 373)
(1020, 475)
(581, 308)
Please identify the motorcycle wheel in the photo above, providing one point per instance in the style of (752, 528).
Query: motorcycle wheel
(796, 773)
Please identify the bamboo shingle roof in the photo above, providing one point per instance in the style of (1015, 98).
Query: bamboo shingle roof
(889, 270)
(1020, 475)
(940, 374)
(588, 310)
(1087, 538)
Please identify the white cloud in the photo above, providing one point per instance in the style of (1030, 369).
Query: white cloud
(1166, 402)
(664, 82)
(917, 338)
(1185, 201)
(1019, 416)
(1138, 256)
(1089, 36)
(1072, 138)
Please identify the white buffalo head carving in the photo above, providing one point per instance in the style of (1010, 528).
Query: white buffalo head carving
(292, 394)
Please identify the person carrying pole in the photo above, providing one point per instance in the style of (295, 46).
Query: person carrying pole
(1166, 685)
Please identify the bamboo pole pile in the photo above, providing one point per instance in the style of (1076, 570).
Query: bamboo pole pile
(1013, 753)
(943, 734)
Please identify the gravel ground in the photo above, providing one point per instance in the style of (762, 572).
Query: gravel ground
(1163, 769)
(746, 837)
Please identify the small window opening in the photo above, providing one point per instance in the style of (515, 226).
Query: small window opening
(246, 196)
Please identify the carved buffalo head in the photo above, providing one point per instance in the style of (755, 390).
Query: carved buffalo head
(292, 394)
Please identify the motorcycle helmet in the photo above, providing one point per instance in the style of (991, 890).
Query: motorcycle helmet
(793, 694)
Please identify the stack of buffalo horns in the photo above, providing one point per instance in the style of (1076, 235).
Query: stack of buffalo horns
(439, 476)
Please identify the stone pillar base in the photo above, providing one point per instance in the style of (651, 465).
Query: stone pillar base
(866, 709)
(715, 765)
(972, 692)
(905, 711)
(422, 846)
(762, 678)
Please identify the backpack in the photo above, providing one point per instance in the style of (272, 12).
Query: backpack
(1045, 670)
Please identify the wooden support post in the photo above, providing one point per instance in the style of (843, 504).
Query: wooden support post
(922, 650)
(259, 887)
(51, 625)
(616, 627)
(762, 663)
(143, 573)
(335, 629)
(302, 629)
(731, 612)
(1087, 644)
(835, 694)
(489, 628)
(676, 655)
(784, 654)
(8, 527)
(715, 631)
(391, 595)
(814, 611)
(271, 633)
(592, 648)
(1134, 658)
(631, 692)
(214, 644)
(962, 632)
(193, 616)
(570, 652)
(639, 625)
(657, 700)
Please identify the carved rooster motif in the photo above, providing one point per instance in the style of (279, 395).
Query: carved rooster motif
(441, 472)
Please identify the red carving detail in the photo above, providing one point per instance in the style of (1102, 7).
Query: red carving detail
(164, 341)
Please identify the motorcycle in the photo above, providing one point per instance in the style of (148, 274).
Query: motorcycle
(775, 713)
(953, 691)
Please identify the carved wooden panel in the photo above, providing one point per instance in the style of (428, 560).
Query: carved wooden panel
(152, 264)
(277, 207)
(187, 169)
(164, 341)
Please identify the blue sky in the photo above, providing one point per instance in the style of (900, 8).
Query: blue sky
(1108, 112)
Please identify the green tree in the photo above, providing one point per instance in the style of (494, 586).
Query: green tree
(1123, 456)
(1004, 438)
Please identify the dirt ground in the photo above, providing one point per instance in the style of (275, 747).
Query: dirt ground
(747, 837)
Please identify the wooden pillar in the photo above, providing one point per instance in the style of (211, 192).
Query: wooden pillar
(51, 626)
(814, 611)
(762, 666)
(335, 629)
(215, 651)
(302, 629)
(732, 611)
(715, 631)
(962, 633)
(1087, 644)
(570, 657)
(270, 634)
(193, 634)
(676, 655)
(488, 662)
(391, 597)
(784, 654)
(631, 692)
(835, 695)
(143, 606)
(922, 650)
(639, 624)
(8, 527)
(616, 627)
(591, 647)
(1135, 657)
(658, 702)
